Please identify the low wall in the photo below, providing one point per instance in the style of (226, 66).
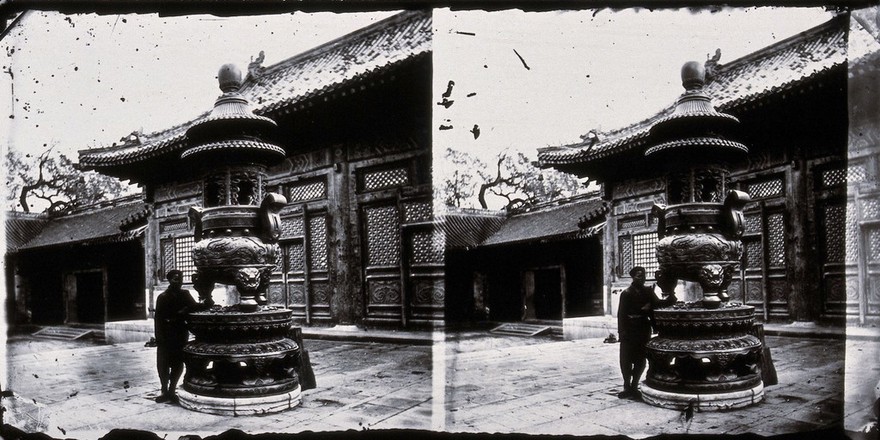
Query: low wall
(120, 332)
(589, 327)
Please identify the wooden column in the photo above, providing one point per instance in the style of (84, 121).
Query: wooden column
(346, 304)
(804, 292)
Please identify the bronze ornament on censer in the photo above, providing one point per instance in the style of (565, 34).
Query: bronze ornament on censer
(242, 361)
(705, 355)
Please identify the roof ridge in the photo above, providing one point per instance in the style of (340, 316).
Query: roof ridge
(335, 43)
(104, 205)
(779, 46)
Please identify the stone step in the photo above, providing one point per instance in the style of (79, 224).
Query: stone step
(520, 329)
(63, 333)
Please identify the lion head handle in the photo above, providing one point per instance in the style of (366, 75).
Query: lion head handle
(269, 218)
(733, 215)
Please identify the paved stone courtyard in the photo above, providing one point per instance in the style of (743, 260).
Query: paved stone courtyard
(467, 383)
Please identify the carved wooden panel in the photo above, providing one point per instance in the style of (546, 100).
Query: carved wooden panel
(295, 257)
(754, 291)
(173, 226)
(276, 294)
(735, 291)
(428, 292)
(320, 293)
(384, 291)
(778, 290)
(834, 289)
(296, 290)
(301, 163)
(632, 222)
(176, 191)
(633, 189)
(318, 242)
(383, 236)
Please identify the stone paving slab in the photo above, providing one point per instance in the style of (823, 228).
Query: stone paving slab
(538, 394)
(486, 384)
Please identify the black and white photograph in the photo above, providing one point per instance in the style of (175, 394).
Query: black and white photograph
(429, 220)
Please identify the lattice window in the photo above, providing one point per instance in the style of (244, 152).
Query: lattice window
(380, 179)
(870, 208)
(318, 243)
(427, 247)
(839, 176)
(852, 234)
(292, 226)
(753, 223)
(767, 188)
(295, 257)
(645, 252)
(383, 236)
(776, 239)
(183, 256)
(167, 255)
(174, 225)
(632, 222)
(835, 221)
(626, 253)
(304, 191)
(874, 245)
(753, 257)
(417, 212)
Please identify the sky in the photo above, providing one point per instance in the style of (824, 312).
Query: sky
(526, 79)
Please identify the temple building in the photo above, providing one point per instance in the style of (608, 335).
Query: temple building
(539, 265)
(83, 268)
(353, 116)
(813, 202)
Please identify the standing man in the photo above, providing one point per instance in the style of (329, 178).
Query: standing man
(172, 306)
(634, 315)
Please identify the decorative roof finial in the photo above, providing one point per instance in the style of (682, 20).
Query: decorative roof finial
(693, 75)
(229, 77)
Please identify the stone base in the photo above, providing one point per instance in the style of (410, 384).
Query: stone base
(702, 402)
(240, 406)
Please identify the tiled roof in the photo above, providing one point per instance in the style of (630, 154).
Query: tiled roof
(90, 226)
(553, 222)
(467, 228)
(333, 66)
(22, 227)
(771, 70)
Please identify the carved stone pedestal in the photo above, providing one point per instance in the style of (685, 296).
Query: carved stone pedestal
(241, 362)
(705, 358)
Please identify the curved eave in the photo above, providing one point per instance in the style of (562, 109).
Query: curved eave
(582, 155)
(115, 160)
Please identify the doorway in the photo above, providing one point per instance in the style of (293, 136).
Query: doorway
(544, 296)
(86, 297)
